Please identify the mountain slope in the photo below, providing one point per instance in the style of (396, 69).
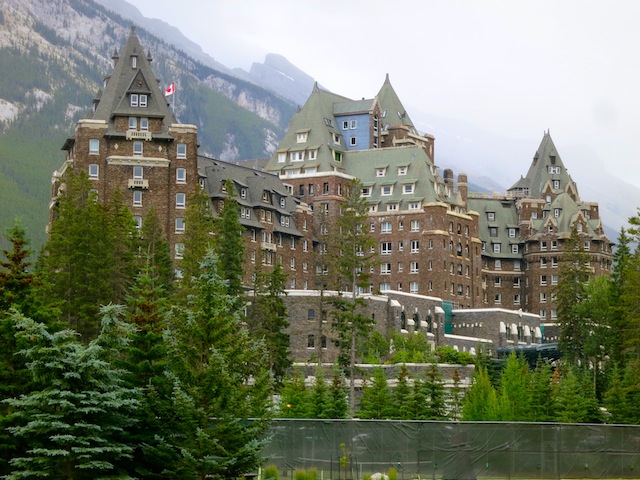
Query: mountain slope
(53, 55)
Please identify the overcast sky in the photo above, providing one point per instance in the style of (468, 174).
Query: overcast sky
(511, 67)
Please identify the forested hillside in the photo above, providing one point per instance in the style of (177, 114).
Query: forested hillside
(53, 57)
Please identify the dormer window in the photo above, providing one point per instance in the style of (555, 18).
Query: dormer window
(491, 216)
(554, 169)
(301, 137)
(282, 157)
(282, 202)
(133, 100)
(556, 184)
(265, 197)
(402, 170)
(408, 188)
(380, 172)
(243, 192)
(143, 100)
(297, 156)
(366, 191)
(336, 139)
(312, 154)
(345, 124)
(134, 61)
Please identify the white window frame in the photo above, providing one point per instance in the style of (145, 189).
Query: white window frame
(181, 200)
(408, 188)
(386, 227)
(386, 248)
(386, 190)
(138, 172)
(181, 150)
(415, 246)
(181, 175)
(179, 225)
(94, 171)
(385, 268)
(414, 267)
(94, 146)
(133, 123)
(413, 287)
(143, 100)
(137, 198)
(497, 247)
(415, 225)
(133, 100)
(138, 150)
(144, 124)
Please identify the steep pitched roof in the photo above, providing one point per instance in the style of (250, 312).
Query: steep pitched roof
(127, 79)
(393, 112)
(546, 167)
(316, 119)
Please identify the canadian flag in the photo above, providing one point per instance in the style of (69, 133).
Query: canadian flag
(171, 89)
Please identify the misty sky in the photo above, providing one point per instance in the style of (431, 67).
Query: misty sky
(513, 67)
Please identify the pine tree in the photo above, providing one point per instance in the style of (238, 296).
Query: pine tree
(376, 398)
(541, 393)
(319, 398)
(15, 278)
(224, 373)
(338, 406)
(353, 245)
(615, 398)
(401, 396)
(514, 402)
(230, 244)
(197, 239)
(480, 403)
(154, 250)
(573, 276)
(419, 400)
(294, 397)
(76, 417)
(570, 404)
(267, 319)
(435, 394)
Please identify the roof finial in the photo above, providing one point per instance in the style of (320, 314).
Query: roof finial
(386, 80)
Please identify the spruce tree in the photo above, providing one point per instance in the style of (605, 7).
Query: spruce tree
(514, 401)
(541, 393)
(338, 406)
(294, 397)
(573, 276)
(401, 406)
(434, 392)
(230, 243)
(155, 253)
(375, 402)
(221, 374)
(75, 419)
(480, 403)
(319, 397)
(15, 278)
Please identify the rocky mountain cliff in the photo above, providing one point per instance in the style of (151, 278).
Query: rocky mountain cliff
(53, 57)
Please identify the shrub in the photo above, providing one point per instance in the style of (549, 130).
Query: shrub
(270, 472)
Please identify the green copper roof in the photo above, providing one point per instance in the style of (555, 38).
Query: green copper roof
(392, 109)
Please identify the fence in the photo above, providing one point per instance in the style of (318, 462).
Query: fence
(351, 449)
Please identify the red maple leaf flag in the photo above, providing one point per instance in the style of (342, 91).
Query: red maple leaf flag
(171, 89)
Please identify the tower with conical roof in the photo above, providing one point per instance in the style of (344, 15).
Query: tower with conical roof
(133, 143)
(524, 233)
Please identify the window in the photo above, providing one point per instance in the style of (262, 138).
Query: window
(385, 227)
(325, 188)
(556, 184)
(137, 198)
(543, 313)
(138, 172)
(93, 171)
(179, 250)
(408, 188)
(94, 146)
(415, 225)
(138, 221)
(400, 246)
(385, 286)
(285, 220)
(297, 156)
(311, 340)
(497, 281)
(554, 244)
(137, 148)
(179, 225)
(282, 157)
(400, 267)
(292, 263)
(354, 124)
(497, 264)
(336, 139)
(144, 123)
(516, 282)
(543, 263)
(134, 61)
(516, 264)
(380, 172)
(133, 123)
(543, 279)
(143, 100)
(414, 205)
(554, 314)
(498, 298)
(512, 233)
(385, 268)
(543, 297)
(491, 216)
(312, 155)
(543, 246)
(415, 246)
(385, 248)
(402, 170)
(301, 137)
(556, 212)
(392, 207)
(181, 200)
(181, 175)
(554, 261)
(352, 141)
(245, 212)
(516, 299)
(554, 279)
(553, 169)
(345, 125)
(182, 150)
(413, 267)
(133, 100)
(366, 191)
(413, 287)
(386, 190)
(586, 245)
(496, 248)
(514, 249)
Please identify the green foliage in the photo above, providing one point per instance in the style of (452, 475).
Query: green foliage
(270, 472)
(376, 398)
(448, 354)
(410, 348)
(15, 279)
(401, 405)
(392, 474)
(480, 403)
(514, 396)
(154, 251)
(541, 393)
(230, 244)
(75, 418)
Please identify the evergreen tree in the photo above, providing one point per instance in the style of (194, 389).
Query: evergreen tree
(15, 278)
(197, 238)
(267, 319)
(319, 397)
(575, 401)
(514, 403)
(418, 400)
(230, 244)
(573, 276)
(480, 403)
(622, 263)
(76, 417)
(376, 398)
(401, 405)
(221, 374)
(435, 394)
(338, 406)
(354, 258)
(154, 250)
(541, 393)
(615, 398)
(631, 388)
(294, 398)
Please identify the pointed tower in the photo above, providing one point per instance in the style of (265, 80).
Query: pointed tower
(133, 144)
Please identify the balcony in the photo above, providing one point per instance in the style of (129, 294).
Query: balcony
(269, 246)
(138, 135)
(139, 183)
